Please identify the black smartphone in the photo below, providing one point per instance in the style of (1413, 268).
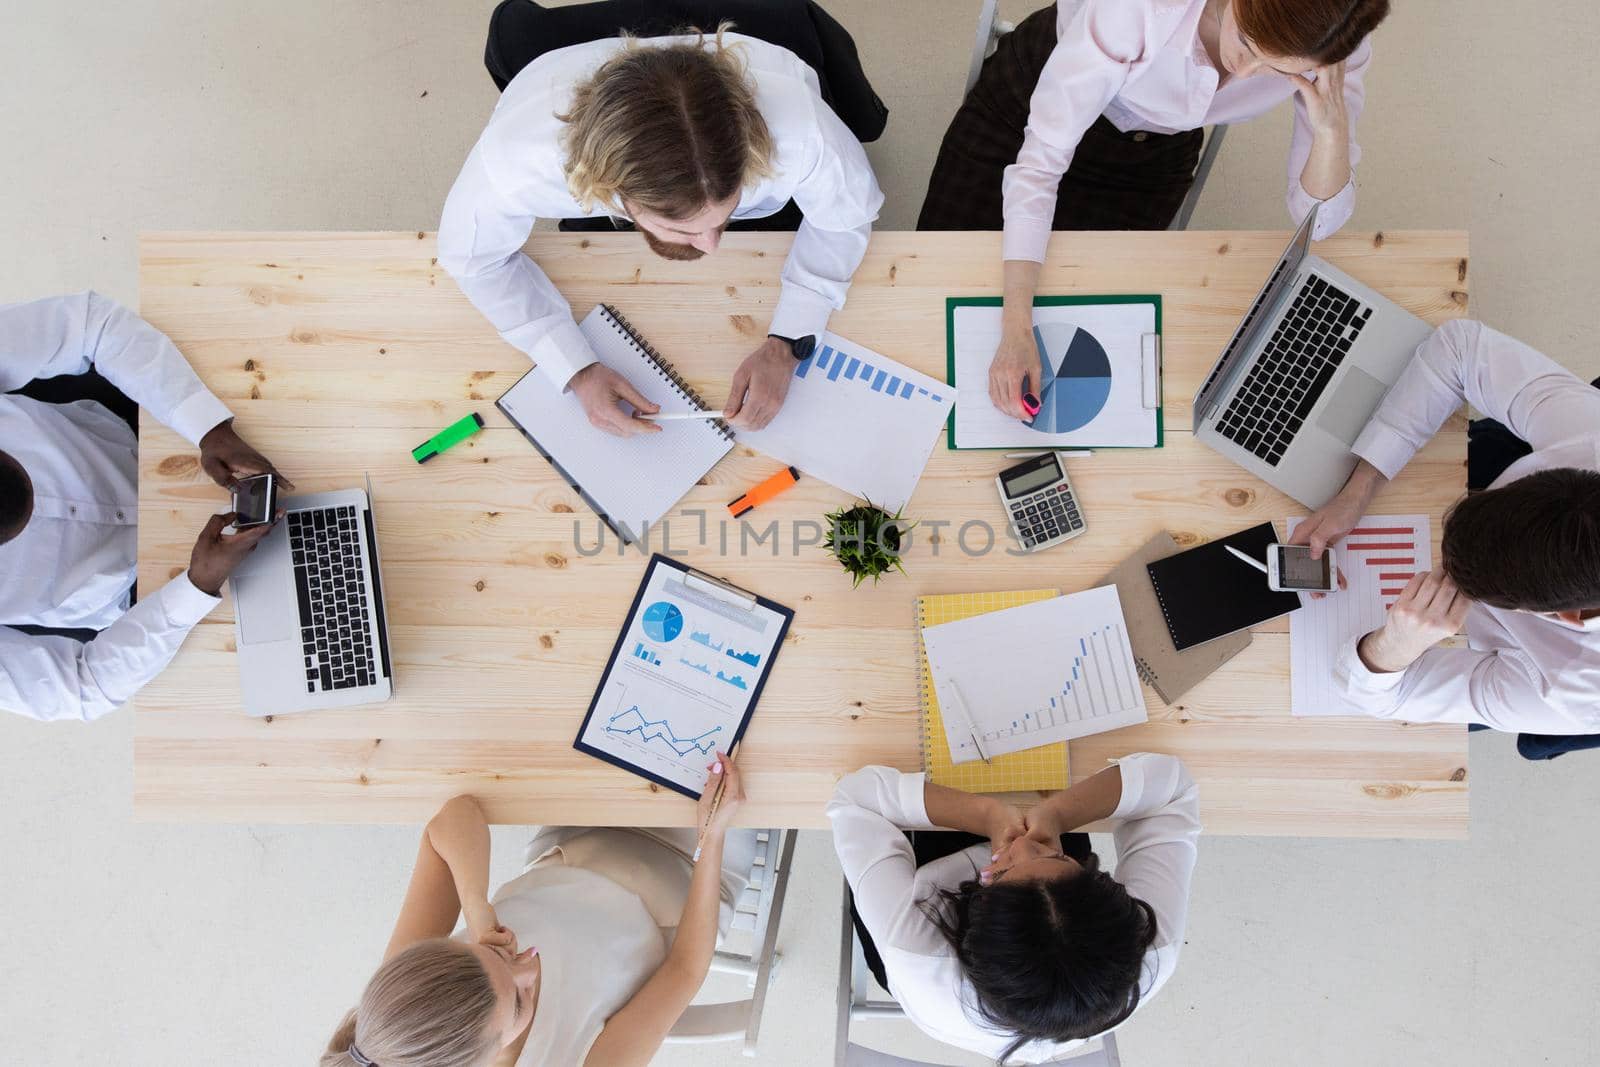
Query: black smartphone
(255, 501)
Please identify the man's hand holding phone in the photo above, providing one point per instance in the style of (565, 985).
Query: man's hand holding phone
(216, 554)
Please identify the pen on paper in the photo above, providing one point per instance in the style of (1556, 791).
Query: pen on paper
(966, 718)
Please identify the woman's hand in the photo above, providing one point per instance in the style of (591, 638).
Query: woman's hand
(484, 925)
(726, 773)
(1006, 824)
(1324, 101)
(1015, 367)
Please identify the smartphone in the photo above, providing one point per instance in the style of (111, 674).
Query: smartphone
(1290, 569)
(255, 501)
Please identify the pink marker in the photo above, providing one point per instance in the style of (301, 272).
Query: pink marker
(1030, 404)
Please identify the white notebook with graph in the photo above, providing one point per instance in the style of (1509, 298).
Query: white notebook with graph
(1052, 670)
(630, 482)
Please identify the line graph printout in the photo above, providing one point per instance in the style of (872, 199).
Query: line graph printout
(1034, 674)
(683, 679)
(1377, 559)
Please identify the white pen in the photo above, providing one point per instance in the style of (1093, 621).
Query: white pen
(663, 416)
(1077, 453)
(1257, 564)
(966, 716)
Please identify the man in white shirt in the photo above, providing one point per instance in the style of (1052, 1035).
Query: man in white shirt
(69, 504)
(680, 135)
(1520, 560)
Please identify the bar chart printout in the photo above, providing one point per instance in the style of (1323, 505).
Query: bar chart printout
(1377, 559)
(1031, 675)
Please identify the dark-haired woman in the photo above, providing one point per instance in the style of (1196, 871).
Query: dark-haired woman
(1011, 947)
(1088, 117)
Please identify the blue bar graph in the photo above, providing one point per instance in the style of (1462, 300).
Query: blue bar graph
(843, 367)
(641, 652)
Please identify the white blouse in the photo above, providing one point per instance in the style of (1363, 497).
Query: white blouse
(1141, 63)
(1158, 824)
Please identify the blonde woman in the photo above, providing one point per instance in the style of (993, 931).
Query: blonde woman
(575, 961)
(677, 137)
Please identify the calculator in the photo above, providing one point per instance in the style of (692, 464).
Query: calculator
(1040, 503)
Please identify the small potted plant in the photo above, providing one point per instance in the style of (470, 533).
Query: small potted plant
(866, 540)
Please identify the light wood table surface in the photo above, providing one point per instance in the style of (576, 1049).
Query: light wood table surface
(339, 352)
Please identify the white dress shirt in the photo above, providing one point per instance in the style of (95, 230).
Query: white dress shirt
(1522, 671)
(73, 564)
(1158, 825)
(1141, 63)
(515, 174)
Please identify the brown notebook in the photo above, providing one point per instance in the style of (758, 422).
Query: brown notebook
(1171, 672)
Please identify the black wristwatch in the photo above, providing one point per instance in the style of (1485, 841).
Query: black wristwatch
(801, 347)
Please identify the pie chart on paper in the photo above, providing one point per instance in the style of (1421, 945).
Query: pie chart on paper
(662, 621)
(1074, 377)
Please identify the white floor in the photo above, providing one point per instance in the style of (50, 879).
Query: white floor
(136, 944)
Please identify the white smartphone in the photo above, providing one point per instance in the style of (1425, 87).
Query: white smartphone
(1290, 569)
(255, 501)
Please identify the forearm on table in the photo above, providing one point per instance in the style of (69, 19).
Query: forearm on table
(1089, 801)
(958, 810)
(460, 835)
(1021, 282)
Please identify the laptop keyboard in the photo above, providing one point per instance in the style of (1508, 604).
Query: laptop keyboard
(1293, 369)
(331, 585)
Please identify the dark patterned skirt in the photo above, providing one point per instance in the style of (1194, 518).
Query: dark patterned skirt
(1117, 181)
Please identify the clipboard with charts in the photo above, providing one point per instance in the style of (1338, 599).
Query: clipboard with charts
(683, 677)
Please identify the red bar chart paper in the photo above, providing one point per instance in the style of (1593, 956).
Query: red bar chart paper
(1377, 559)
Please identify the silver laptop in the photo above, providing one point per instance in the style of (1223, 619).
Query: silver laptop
(308, 605)
(1303, 373)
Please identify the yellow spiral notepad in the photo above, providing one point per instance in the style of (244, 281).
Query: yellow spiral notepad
(1032, 769)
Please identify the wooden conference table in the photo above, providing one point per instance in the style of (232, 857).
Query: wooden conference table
(340, 352)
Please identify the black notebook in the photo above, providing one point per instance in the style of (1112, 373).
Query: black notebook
(1207, 592)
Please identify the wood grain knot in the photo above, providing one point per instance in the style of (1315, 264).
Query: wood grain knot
(175, 465)
(376, 741)
(546, 641)
(272, 266)
(1459, 774)
(1222, 249)
(255, 392)
(362, 779)
(894, 269)
(492, 514)
(260, 295)
(420, 235)
(1461, 269)
(304, 337)
(561, 509)
(730, 290)
(473, 394)
(478, 585)
(654, 788)
(250, 365)
(383, 351)
(638, 273)
(1377, 239)
(1239, 498)
(1184, 537)
(480, 375)
(555, 560)
(583, 243)
(1388, 791)
(743, 323)
(267, 718)
(1458, 298)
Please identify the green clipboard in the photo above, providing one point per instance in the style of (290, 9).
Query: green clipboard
(953, 302)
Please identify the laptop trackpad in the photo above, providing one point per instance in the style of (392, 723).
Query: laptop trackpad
(266, 608)
(1353, 403)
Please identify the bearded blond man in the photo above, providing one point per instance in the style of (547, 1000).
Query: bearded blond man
(678, 136)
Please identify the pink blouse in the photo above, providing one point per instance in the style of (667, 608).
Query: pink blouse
(1141, 64)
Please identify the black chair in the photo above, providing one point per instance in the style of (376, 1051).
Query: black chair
(521, 31)
(65, 389)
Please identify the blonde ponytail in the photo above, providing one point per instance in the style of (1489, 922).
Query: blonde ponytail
(430, 1006)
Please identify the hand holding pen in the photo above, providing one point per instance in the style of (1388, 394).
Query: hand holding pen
(723, 794)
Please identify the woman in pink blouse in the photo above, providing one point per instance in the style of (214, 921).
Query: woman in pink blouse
(1088, 117)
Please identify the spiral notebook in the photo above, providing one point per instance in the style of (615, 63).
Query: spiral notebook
(1042, 768)
(1206, 593)
(1170, 672)
(630, 482)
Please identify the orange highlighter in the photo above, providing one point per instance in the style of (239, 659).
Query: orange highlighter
(764, 492)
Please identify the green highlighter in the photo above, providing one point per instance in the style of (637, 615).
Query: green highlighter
(448, 437)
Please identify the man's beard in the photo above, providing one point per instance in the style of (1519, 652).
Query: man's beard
(668, 250)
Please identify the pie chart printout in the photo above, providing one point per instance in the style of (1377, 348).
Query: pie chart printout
(662, 621)
(1074, 377)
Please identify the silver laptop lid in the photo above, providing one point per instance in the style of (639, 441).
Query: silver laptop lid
(1242, 345)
